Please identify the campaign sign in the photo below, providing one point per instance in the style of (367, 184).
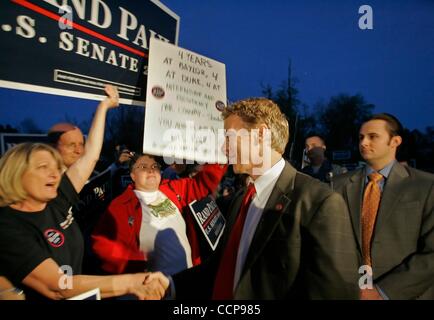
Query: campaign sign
(186, 94)
(8, 140)
(73, 48)
(210, 219)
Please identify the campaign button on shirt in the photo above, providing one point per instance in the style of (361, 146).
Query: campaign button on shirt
(54, 237)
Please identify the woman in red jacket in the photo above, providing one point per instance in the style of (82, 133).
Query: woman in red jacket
(146, 228)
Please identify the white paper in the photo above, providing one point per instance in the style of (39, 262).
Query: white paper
(185, 95)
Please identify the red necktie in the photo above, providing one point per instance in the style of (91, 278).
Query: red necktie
(371, 201)
(224, 282)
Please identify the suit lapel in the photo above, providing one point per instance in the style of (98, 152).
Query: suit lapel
(354, 194)
(277, 203)
(391, 194)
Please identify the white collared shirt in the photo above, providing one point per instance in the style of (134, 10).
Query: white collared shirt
(264, 185)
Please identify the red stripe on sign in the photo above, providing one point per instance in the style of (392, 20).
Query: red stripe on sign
(56, 17)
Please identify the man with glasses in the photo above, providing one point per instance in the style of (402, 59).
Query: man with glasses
(68, 140)
(148, 226)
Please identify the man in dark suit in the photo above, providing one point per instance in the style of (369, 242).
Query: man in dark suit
(293, 240)
(395, 227)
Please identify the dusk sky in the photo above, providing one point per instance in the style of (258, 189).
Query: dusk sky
(392, 66)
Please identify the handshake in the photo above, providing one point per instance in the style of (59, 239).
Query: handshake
(148, 286)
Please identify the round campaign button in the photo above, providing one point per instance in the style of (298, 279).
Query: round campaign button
(54, 237)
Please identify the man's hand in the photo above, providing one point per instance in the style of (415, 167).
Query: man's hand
(112, 99)
(124, 156)
(158, 277)
(152, 290)
(147, 286)
(164, 281)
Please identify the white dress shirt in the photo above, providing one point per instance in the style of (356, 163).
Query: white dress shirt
(264, 186)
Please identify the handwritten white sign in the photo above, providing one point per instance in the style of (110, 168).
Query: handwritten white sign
(185, 95)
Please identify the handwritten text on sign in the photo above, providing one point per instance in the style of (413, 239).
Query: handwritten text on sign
(185, 96)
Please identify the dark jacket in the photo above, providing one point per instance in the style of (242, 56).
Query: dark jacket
(303, 247)
(403, 240)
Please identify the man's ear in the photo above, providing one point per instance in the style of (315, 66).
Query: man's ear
(133, 176)
(396, 141)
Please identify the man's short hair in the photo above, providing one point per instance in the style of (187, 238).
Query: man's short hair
(57, 130)
(393, 125)
(255, 111)
(313, 134)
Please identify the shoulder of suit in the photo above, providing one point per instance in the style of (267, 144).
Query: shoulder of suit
(347, 175)
(345, 178)
(308, 185)
(419, 174)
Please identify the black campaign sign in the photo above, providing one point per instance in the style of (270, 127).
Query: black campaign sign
(209, 218)
(74, 47)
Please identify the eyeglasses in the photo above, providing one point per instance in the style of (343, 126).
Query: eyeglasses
(154, 167)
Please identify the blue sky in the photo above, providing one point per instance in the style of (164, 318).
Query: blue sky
(392, 66)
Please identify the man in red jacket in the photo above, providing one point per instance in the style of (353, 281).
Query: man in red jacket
(144, 228)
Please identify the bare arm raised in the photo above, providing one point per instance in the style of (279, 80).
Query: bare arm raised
(81, 170)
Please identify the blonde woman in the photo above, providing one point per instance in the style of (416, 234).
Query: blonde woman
(41, 247)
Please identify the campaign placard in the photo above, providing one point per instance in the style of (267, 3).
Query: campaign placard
(73, 48)
(186, 94)
(210, 219)
(9, 140)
